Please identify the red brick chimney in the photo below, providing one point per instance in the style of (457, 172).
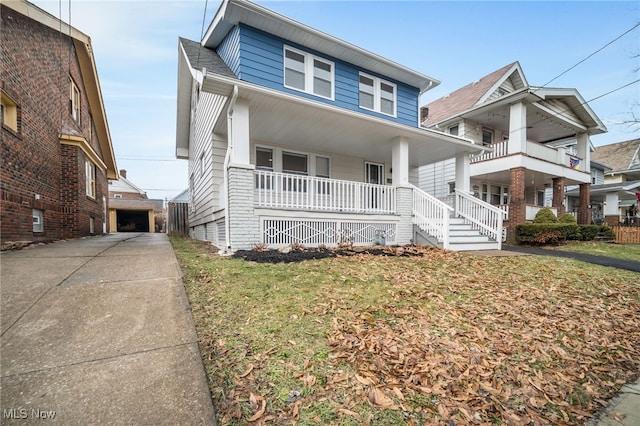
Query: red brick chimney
(123, 173)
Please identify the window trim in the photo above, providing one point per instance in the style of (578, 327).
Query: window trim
(377, 94)
(277, 163)
(75, 101)
(309, 74)
(38, 220)
(9, 111)
(90, 178)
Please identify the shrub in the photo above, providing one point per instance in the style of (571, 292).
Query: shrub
(545, 215)
(547, 233)
(590, 232)
(567, 218)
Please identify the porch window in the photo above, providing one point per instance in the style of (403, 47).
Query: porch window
(377, 95)
(487, 136)
(308, 73)
(323, 171)
(264, 158)
(295, 164)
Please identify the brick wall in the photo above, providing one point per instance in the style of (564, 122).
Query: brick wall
(35, 167)
(517, 204)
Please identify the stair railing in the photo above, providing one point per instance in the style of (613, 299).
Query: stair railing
(431, 215)
(484, 217)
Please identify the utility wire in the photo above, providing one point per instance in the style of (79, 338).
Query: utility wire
(592, 54)
(204, 17)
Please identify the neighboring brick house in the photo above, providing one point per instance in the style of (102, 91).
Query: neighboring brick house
(56, 148)
(130, 210)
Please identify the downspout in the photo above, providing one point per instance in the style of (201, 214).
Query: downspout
(227, 157)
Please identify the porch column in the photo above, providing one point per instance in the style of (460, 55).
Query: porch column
(584, 213)
(611, 210)
(517, 205)
(463, 176)
(238, 125)
(517, 128)
(243, 224)
(583, 150)
(558, 195)
(400, 161)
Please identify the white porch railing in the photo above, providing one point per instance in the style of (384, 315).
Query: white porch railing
(484, 217)
(499, 150)
(534, 149)
(431, 215)
(288, 191)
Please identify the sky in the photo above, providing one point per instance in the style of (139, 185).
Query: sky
(135, 45)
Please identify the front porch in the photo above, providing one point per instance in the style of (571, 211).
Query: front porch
(278, 209)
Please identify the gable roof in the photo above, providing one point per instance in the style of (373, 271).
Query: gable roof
(619, 156)
(200, 56)
(88, 69)
(473, 94)
(234, 12)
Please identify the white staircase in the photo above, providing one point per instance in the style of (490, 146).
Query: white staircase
(471, 225)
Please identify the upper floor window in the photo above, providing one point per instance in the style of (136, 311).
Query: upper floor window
(377, 95)
(453, 130)
(90, 179)
(308, 73)
(74, 98)
(487, 136)
(9, 113)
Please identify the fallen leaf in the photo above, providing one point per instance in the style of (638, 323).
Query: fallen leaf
(260, 412)
(247, 371)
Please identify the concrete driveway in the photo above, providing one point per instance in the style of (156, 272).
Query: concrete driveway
(99, 330)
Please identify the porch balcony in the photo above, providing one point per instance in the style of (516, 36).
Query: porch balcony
(273, 190)
(534, 149)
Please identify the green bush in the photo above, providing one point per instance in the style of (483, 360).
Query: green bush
(590, 232)
(547, 233)
(545, 215)
(567, 218)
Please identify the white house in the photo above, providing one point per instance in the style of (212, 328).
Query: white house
(295, 136)
(529, 129)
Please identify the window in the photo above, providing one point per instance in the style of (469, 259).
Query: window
(90, 179)
(323, 167)
(37, 221)
(264, 159)
(201, 164)
(294, 163)
(9, 113)
(377, 95)
(487, 136)
(117, 196)
(74, 97)
(308, 73)
(452, 187)
(453, 130)
(92, 224)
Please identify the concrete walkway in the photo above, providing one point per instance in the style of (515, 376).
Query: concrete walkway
(99, 330)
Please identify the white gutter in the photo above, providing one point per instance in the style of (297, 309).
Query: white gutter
(232, 103)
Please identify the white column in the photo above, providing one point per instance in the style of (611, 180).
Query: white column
(517, 128)
(611, 204)
(400, 161)
(463, 175)
(238, 129)
(583, 150)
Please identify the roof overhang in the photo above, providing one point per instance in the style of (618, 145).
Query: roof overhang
(288, 120)
(625, 190)
(234, 12)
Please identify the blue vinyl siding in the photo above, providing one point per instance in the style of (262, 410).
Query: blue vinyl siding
(257, 57)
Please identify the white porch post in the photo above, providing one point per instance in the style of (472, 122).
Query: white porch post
(238, 126)
(583, 150)
(517, 128)
(463, 175)
(611, 210)
(400, 161)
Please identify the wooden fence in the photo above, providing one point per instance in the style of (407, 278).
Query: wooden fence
(178, 219)
(627, 234)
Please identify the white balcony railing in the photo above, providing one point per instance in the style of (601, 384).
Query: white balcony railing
(534, 149)
(288, 191)
(499, 150)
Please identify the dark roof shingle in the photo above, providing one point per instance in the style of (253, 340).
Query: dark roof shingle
(202, 57)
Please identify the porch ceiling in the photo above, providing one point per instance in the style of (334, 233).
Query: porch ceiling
(287, 120)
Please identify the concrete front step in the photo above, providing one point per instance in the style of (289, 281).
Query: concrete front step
(473, 246)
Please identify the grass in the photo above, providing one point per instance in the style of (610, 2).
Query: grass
(619, 251)
(394, 340)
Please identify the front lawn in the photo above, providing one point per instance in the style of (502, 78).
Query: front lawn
(442, 337)
(619, 251)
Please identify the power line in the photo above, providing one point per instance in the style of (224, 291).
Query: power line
(592, 54)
